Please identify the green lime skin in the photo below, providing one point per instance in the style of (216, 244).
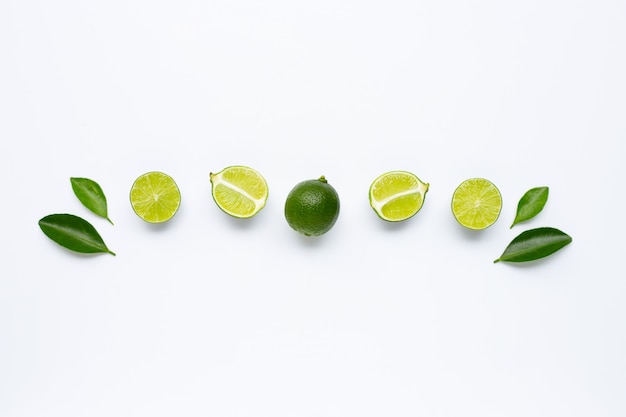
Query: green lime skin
(312, 207)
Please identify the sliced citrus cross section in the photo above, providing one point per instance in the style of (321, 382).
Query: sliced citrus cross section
(476, 203)
(239, 191)
(397, 195)
(155, 197)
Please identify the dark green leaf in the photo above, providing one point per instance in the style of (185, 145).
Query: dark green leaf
(73, 233)
(91, 195)
(534, 244)
(531, 204)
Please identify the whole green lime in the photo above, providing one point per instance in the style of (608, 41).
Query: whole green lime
(312, 207)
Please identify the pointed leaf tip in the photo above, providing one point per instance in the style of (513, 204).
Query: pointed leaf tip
(531, 204)
(73, 233)
(90, 194)
(534, 244)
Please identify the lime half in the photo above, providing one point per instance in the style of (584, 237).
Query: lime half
(239, 191)
(155, 197)
(476, 203)
(397, 195)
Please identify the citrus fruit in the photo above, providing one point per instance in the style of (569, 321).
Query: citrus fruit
(476, 203)
(155, 197)
(312, 207)
(239, 191)
(397, 195)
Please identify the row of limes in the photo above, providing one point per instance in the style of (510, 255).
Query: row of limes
(312, 206)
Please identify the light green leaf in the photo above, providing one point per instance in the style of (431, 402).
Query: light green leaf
(91, 195)
(531, 204)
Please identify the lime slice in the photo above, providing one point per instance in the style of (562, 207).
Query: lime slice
(476, 203)
(239, 191)
(397, 195)
(155, 197)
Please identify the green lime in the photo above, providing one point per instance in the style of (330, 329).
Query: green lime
(239, 191)
(155, 197)
(476, 203)
(397, 195)
(312, 207)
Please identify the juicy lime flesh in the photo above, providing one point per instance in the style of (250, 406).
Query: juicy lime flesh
(476, 203)
(239, 191)
(155, 197)
(312, 207)
(247, 180)
(397, 195)
(403, 207)
(233, 202)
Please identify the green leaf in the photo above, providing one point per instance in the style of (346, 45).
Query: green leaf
(534, 244)
(91, 195)
(73, 233)
(531, 204)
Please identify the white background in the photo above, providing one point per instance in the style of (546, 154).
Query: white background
(212, 316)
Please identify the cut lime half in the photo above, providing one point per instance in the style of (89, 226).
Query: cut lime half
(397, 195)
(155, 197)
(476, 203)
(239, 191)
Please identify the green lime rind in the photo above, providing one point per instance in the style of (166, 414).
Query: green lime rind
(312, 207)
(476, 203)
(397, 195)
(239, 191)
(155, 197)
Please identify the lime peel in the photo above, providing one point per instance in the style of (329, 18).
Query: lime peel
(476, 203)
(397, 195)
(422, 188)
(257, 201)
(155, 197)
(239, 191)
(312, 207)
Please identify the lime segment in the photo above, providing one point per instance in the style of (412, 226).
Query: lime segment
(239, 191)
(155, 197)
(476, 203)
(397, 195)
